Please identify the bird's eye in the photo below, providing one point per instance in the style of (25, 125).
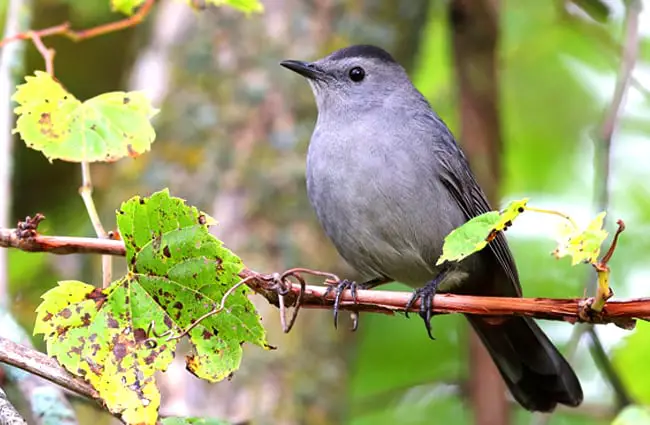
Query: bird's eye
(357, 74)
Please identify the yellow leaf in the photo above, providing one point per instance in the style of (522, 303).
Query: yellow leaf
(581, 245)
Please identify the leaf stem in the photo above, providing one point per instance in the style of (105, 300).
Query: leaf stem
(86, 192)
(553, 212)
(48, 54)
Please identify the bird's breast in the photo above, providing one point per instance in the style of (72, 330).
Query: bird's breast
(381, 204)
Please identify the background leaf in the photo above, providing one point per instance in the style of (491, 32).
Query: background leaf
(128, 7)
(630, 360)
(247, 6)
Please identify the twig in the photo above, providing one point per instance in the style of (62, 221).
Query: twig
(8, 413)
(64, 29)
(46, 367)
(621, 313)
(41, 395)
(18, 17)
(47, 53)
(61, 245)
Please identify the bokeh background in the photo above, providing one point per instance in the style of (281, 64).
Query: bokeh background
(527, 87)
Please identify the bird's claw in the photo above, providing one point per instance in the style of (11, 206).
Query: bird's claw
(425, 295)
(338, 289)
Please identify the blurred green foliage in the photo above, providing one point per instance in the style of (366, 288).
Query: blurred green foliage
(232, 126)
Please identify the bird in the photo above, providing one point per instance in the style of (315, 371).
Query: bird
(388, 181)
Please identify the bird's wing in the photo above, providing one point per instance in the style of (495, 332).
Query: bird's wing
(459, 180)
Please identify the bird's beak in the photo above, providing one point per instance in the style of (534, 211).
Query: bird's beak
(306, 69)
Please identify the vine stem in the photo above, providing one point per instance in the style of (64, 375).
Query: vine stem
(622, 313)
(86, 192)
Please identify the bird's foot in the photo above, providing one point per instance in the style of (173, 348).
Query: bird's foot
(338, 289)
(426, 295)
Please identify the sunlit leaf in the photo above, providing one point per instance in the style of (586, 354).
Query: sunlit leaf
(581, 245)
(474, 235)
(128, 7)
(105, 128)
(117, 337)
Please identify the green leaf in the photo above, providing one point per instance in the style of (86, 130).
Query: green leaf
(128, 7)
(633, 415)
(117, 337)
(105, 128)
(193, 421)
(581, 245)
(630, 359)
(246, 6)
(474, 235)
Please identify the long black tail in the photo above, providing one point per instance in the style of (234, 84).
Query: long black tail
(536, 373)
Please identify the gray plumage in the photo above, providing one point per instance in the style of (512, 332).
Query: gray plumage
(388, 182)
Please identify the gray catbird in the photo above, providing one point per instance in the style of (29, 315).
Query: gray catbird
(388, 183)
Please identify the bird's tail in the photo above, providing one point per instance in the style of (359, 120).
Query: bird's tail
(536, 373)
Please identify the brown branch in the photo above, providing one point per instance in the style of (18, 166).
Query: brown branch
(47, 53)
(46, 367)
(78, 35)
(621, 313)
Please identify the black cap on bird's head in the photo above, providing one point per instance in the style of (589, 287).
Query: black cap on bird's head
(361, 73)
(313, 71)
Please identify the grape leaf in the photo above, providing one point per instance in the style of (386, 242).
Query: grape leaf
(105, 128)
(246, 6)
(128, 7)
(474, 235)
(581, 245)
(117, 337)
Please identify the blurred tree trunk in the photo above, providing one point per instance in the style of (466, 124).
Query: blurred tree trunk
(475, 34)
(232, 136)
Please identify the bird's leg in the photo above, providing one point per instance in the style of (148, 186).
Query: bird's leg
(426, 295)
(341, 286)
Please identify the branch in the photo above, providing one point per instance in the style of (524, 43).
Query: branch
(40, 394)
(64, 29)
(622, 313)
(46, 367)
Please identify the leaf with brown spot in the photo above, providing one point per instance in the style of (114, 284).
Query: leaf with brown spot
(107, 336)
(104, 128)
